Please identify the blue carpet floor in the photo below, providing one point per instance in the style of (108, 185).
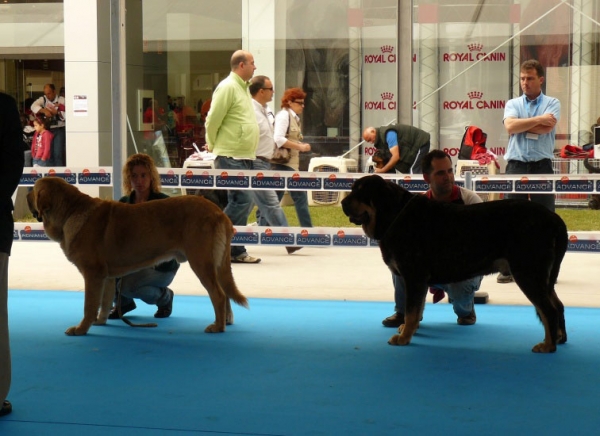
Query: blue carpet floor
(290, 367)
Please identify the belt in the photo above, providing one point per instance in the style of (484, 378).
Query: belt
(264, 159)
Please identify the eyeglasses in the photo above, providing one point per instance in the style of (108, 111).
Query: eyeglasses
(301, 103)
(270, 89)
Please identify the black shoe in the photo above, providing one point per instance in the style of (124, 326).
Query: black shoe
(395, 320)
(114, 313)
(165, 311)
(6, 408)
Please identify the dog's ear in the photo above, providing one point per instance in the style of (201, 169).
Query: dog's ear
(42, 201)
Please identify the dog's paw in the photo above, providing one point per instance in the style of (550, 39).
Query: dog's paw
(399, 340)
(75, 331)
(543, 347)
(100, 321)
(213, 328)
(229, 318)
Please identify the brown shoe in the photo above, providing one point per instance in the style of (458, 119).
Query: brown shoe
(291, 250)
(470, 319)
(395, 320)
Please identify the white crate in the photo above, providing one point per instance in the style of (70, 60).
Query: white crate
(330, 165)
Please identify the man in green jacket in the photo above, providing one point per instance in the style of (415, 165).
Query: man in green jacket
(407, 145)
(232, 135)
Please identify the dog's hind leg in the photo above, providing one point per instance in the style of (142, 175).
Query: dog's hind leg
(108, 296)
(416, 292)
(534, 284)
(92, 299)
(206, 272)
(562, 328)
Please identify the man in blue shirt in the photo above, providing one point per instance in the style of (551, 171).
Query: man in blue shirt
(407, 145)
(530, 120)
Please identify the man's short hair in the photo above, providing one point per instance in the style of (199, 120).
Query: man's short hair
(532, 64)
(257, 83)
(426, 164)
(238, 56)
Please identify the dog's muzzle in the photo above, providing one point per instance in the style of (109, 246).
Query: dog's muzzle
(359, 220)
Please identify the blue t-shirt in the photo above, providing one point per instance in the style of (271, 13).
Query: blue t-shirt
(391, 137)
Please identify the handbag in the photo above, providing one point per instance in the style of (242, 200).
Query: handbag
(281, 155)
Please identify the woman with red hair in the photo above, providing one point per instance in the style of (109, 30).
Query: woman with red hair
(288, 134)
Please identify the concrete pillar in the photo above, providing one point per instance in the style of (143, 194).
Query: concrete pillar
(87, 75)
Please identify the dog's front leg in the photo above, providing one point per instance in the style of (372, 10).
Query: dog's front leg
(108, 296)
(92, 298)
(416, 293)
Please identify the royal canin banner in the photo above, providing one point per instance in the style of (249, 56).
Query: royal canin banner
(379, 79)
(478, 96)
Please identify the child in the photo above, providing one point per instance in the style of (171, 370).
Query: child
(42, 141)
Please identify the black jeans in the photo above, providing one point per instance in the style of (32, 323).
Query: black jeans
(543, 166)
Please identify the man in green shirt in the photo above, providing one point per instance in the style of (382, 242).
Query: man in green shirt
(232, 135)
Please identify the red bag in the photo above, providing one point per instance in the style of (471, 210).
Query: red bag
(574, 152)
(473, 143)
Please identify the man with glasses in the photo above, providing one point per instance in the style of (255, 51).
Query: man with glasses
(406, 144)
(232, 135)
(261, 90)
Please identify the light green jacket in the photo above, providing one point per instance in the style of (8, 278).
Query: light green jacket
(231, 126)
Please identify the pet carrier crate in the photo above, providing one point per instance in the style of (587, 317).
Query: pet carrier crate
(477, 169)
(330, 165)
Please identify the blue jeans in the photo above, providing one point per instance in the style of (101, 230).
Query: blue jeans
(461, 294)
(40, 162)
(149, 285)
(543, 166)
(268, 202)
(300, 202)
(239, 203)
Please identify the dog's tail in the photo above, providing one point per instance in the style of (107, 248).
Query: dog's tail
(222, 256)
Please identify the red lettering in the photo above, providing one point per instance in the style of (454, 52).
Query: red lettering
(451, 151)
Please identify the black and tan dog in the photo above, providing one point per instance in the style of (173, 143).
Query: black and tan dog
(107, 239)
(430, 242)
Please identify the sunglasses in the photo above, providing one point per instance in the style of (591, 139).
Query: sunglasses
(301, 103)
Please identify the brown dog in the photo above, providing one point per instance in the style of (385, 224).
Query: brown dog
(429, 242)
(108, 239)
